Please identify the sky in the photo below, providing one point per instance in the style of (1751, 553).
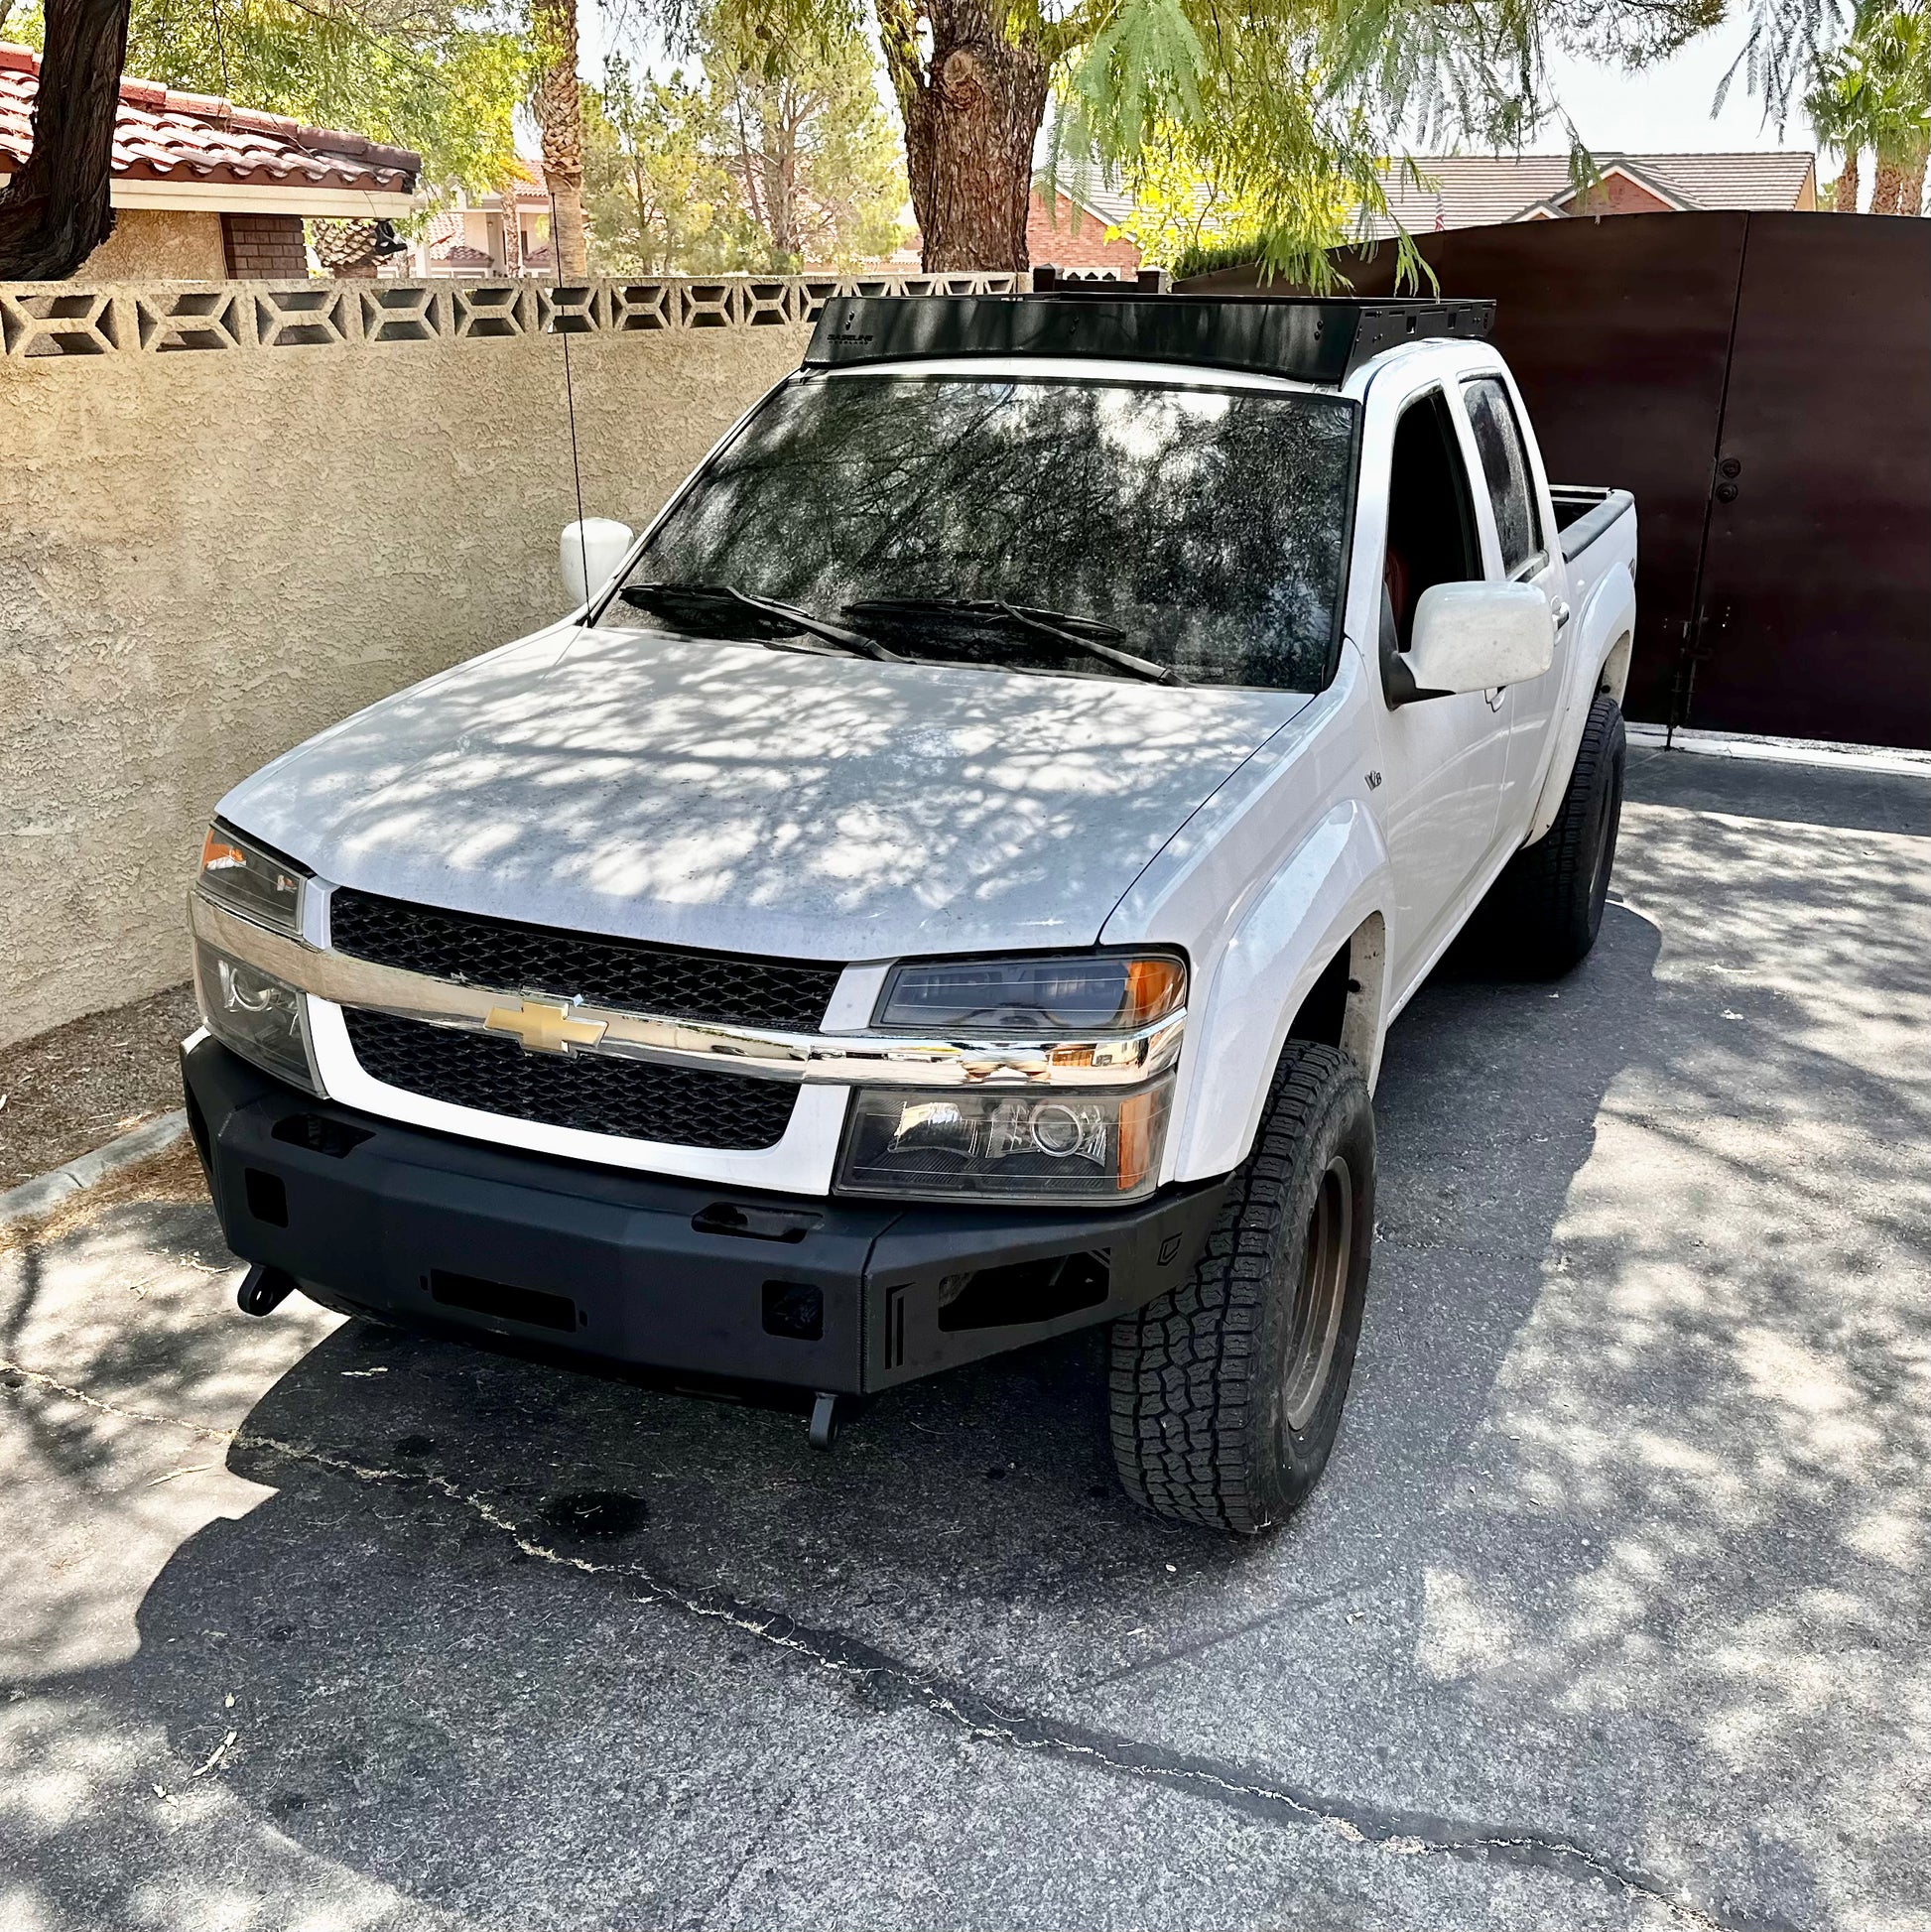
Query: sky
(1665, 110)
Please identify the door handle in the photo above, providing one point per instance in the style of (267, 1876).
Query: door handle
(1558, 610)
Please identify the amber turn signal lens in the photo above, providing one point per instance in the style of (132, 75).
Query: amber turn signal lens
(1139, 1113)
(1154, 988)
(252, 880)
(218, 854)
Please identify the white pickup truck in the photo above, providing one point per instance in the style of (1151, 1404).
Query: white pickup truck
(948, 881)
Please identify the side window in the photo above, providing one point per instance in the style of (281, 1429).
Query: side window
(1506, 464)
(1431, 516)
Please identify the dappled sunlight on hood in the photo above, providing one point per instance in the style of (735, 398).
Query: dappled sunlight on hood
(731, 796)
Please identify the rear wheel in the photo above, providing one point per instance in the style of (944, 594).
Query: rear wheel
(1543, 914)
(1228, 1392)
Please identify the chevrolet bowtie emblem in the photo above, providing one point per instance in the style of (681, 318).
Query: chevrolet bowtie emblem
(544, 1027)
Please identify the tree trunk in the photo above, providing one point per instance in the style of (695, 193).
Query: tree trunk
(973, 109)
(1886, 185)
(1844, 197)
(1910, 198)
(512, 224)
(54, 212)
(559, 115)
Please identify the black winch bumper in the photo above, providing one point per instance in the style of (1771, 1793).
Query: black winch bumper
(453, 1235)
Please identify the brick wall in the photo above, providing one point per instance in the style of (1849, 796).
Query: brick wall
(1070, 239)
(1619, 194)
(264, 247)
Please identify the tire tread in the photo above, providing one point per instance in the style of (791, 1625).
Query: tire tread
(1188, 1368)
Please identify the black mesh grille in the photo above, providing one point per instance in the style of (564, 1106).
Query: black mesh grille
(499, 953)
(689, 1107)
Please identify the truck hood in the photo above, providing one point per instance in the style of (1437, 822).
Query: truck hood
(729, 797)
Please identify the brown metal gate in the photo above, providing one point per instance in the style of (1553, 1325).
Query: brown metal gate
(1762, 383)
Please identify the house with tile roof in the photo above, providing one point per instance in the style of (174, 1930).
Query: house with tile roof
(1069, 223)
(473, 235)
(1463, 192)
(204, 190)
(1485, 190)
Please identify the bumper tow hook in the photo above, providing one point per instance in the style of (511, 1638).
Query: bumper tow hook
(262, 1290)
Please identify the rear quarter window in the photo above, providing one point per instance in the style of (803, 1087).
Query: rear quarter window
(1505, 468)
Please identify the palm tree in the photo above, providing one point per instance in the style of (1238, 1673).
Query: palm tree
(559, 115)
(1874, 92)
(1836, 106)
(1900, 59)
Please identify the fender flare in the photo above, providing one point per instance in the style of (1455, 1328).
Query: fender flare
(1334, 883)
(1609, 618)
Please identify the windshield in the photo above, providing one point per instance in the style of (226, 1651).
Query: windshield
(1200, 531)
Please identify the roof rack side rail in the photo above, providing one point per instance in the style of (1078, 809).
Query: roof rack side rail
(1307, 338)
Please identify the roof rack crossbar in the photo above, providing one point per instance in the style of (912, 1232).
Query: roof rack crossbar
(1307, 338)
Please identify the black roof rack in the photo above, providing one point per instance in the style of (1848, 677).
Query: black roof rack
(1311, 338)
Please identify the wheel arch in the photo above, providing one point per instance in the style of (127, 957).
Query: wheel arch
(1310, 950)
(1606, 626)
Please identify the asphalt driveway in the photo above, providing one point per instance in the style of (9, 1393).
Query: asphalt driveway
(1612, 1611)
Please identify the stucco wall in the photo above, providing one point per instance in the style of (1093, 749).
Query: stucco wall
(159, 245)
(205, 558)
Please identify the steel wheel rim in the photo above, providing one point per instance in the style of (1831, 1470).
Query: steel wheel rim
(1321, 1294)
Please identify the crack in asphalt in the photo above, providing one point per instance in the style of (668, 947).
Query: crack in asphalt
(890, 1682)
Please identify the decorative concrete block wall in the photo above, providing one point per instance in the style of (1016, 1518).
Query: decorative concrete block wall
(236, 512)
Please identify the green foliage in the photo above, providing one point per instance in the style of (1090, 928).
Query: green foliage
(779, 155)
(24, 25)
(1203, 258)
(812, 162)
(1875, 90)
(1293, 110)
(428, 75)
(654, 194)
(1182, 215)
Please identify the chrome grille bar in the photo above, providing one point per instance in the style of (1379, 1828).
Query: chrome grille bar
(558, 1023)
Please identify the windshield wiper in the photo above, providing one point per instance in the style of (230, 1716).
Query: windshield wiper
(700, 606)
(1086, 635)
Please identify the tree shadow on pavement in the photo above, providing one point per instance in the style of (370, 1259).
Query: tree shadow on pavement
(970, 1526)
(1623, 1547)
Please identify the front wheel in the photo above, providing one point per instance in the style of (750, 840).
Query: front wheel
(1227, 1392)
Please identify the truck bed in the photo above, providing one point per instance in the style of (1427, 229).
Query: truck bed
(1584, 511)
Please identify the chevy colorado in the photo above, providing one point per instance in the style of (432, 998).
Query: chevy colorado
(948, 881)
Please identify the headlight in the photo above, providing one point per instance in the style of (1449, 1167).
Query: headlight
(1040, 1145)
(1082, 993)
(260, 1017)
(250, 879)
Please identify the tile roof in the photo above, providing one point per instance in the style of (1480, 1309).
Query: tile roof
(1477, 190)
(160, 135)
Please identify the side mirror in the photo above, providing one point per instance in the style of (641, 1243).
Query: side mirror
(588, 554)
(1475, 636)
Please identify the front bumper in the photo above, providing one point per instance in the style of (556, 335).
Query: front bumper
(678, 1276)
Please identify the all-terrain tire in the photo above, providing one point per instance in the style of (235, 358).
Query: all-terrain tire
(1542, 915)
(1227, 1392)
